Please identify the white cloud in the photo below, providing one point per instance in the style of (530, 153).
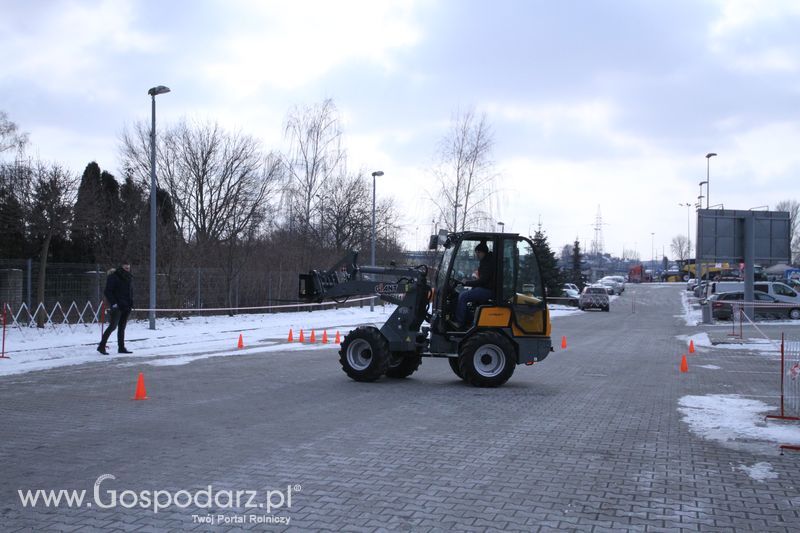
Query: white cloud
(739, 35)
(287, 45)
(70, 47)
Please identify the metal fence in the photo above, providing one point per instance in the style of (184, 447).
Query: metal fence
(190, 288)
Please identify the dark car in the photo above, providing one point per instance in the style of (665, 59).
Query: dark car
(722, 305)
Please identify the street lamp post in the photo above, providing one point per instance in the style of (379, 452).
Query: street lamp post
(653, 255)
(708, 176)
(375, 174)
(502, 227)
(153, 92)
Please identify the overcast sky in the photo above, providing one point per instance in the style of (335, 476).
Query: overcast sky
(592, 103)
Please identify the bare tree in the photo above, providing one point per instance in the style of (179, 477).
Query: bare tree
(315, 157)
(10, 136)
(465, 173)
(793, 208)
(680, 247)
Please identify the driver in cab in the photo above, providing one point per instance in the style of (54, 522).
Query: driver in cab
(481, 289)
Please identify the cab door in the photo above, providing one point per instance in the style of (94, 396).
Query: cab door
(523, 289)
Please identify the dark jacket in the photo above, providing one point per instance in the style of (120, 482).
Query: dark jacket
(119, 291)
(485, 273)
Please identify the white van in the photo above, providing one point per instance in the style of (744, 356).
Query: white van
(780, 291)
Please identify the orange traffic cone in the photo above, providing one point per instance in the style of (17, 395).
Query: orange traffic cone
(563, 342)
(313, 337)
(141, 392)
(338, 339)
(240, 344)
(691, 346)
(291, 338)
(325, 337)
(301, 339)
(684, 364)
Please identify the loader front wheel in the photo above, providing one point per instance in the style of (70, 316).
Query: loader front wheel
(364, 354)
(487, 359)
(454, 366)
(403, 364)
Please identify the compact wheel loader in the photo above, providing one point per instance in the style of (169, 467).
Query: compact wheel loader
(510, 329)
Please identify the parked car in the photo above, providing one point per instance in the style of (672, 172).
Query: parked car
(571, 286)
(691, 284)
(620, 280)
(766, 306)
(573, 297)
(611, 285)
(594, 297)
(776, 289)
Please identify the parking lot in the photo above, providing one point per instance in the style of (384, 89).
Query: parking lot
(591, 439)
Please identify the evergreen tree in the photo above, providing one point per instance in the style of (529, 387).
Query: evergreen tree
(96, 229)
(575, 275)
(548, 264)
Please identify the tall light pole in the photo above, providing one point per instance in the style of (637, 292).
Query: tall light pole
(708, 176)
(653, 255)
(502, 227)
(153, 92)
(375, 174)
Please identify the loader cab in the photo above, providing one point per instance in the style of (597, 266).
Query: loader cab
(517, 301)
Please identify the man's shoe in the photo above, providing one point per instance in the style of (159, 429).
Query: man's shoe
(102, 350)
(124, 350)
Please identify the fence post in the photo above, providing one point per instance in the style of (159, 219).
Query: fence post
(3, 352)
(783, 416)
(30, 270)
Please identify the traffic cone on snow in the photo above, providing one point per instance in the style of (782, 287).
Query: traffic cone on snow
(564, 342)
(691, 346)
(301, 339)
(240, 344)
(338, 340)
(325, 337)
(313, 337)
(291, 338)
(684, 364)
(141, 392)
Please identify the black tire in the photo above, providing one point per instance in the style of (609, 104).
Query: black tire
(403, 364)
(364, 354)
(454, 366)
(606, 309)
(487, 359)
(794, 314)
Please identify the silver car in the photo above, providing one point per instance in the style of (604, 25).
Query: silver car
(594, 297)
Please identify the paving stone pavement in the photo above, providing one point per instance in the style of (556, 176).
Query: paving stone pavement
(588, 440)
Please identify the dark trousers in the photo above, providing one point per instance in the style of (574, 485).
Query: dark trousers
(118, 320)
(478, 295)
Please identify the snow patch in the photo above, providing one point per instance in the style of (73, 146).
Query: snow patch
(180, 342)
(736, 422)
(710, 367)
(759, 471)
(691, 316)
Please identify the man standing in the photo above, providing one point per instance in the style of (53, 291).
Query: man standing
(482, 288)
(119, 295)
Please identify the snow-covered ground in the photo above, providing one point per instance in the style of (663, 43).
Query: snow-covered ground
(178, 342)
(702, 343)
(738, 423)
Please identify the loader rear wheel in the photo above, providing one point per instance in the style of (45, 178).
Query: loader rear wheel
(487, 359)
(454, 366)
(364, 354)
(403, 364)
